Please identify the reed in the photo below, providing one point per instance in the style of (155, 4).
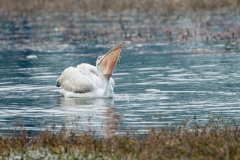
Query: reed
(16, 7)
(206, 143)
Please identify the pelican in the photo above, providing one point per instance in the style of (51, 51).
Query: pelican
(89, 81)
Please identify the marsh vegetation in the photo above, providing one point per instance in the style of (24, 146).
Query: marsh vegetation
(16, 7)
(212, 141)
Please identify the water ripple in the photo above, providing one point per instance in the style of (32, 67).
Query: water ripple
(159, 92)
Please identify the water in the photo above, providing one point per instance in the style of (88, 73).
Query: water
(158, 84)
(155, 89)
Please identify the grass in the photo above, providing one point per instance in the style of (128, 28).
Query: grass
(16, 7)
(206, 143)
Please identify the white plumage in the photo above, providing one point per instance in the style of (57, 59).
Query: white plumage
(89, 81)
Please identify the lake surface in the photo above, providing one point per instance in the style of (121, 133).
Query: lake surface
(153, 89)
(158, 83)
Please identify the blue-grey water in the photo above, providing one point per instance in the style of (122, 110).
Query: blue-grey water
(157, 88)
(160, 80)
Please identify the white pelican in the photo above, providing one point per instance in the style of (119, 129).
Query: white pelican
(90, 81)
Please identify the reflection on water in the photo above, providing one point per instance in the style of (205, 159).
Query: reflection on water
(95, 114)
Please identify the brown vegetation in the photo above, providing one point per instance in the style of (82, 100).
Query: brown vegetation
(15, 7)
(158, 144)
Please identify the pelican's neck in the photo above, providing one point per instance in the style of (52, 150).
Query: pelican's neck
(107, 88)
(105, 81)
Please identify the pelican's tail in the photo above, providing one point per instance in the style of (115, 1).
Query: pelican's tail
(58, 83)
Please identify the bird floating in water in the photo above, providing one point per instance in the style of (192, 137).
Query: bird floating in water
(89, 81)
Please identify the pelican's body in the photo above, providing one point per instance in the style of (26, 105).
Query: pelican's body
(89, 81)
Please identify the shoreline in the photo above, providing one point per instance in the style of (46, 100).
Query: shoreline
(164, 8)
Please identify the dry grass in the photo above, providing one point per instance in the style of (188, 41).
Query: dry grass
(214, 143)
(16, 7)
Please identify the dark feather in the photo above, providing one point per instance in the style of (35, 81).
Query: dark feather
(58, 84)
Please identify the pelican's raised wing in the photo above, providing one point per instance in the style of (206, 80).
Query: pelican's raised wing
(74, 81)
(87, 68)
